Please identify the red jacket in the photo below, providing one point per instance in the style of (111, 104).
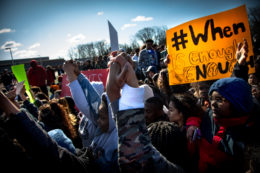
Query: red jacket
(50, 77)
(37, 75)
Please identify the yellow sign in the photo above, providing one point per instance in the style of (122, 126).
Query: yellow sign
(205, 48)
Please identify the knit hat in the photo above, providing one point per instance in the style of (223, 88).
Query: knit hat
(236, 91)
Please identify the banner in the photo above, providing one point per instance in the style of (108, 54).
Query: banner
(20, 74)
(205, 48)
(92, 75)
(113, 37)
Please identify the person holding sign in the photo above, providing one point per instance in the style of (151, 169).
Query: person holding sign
(231, 125)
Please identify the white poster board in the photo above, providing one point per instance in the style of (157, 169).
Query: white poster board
(113, 37)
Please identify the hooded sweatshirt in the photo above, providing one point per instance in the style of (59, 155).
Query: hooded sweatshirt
(36, 74)
(104, 144)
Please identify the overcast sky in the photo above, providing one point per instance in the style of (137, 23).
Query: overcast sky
(50, 27)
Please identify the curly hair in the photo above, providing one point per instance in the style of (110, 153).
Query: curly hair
(170, 141)
(72, 116)
(54, 116)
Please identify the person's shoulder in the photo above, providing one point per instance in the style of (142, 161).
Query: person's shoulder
(144, 51)
(41, 67)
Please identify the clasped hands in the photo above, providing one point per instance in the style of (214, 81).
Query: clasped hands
(120, 72)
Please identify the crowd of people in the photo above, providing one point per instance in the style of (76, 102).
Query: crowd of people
(136, 123)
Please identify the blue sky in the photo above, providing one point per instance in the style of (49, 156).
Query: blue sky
(50, 27)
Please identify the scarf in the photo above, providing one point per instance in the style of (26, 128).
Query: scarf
(226, 123)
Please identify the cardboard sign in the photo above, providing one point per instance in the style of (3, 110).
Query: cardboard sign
(113, 37)
(205, 48)
(92, 75)
(21, 76)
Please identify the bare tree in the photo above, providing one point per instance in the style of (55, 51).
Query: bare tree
(91, 49)
(87, 50)
(101, 47)
(73, 53)
(144, 34)
(158, 34)
(126, 47)
(82, 51)
(134, 44)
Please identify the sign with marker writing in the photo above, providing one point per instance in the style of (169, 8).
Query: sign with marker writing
(205, 48)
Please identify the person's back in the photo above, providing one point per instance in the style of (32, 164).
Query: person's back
(50, 75)
(37, 76)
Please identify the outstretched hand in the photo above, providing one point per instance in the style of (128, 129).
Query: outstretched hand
(242, 52)
(71, 69)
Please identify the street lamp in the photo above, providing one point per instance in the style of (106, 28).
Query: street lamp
(10, 53)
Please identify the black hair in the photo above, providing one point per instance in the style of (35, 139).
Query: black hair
(149, 41)
(170, 141)
(156, 101)
(104, 102)
(71, 105)
(187, 104)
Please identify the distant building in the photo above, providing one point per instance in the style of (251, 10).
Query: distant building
(44, 61)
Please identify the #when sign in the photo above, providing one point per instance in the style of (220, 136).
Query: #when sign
(205, 48)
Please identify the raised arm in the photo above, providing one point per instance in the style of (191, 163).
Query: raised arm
(83, 93)
(241, 68)
(136, 153)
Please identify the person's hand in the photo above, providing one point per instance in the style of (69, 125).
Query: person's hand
(126, 62)
(11, 95)
(121, 72)
(22, 93)
(20, 90)
(167, 60)
(115, 80)
(121, 58)
(71, 69)
(242, 52)
(190, 132)
(7, 106)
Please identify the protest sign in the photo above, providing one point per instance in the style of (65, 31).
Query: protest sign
(205, 48)
(113, 37)
(20, 74)
(92, 75)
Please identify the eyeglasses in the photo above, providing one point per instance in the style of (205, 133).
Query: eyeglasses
(217, 99)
